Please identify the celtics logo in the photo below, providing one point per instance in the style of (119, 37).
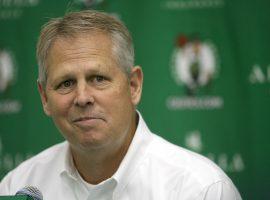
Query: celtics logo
(194, 63)
(7, 70)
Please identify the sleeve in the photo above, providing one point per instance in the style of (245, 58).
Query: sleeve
(222, 190)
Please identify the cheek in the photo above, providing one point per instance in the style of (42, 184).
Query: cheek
(118, 99)
(119, 105)
(59, 105)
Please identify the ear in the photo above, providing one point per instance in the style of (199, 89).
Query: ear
(43, 97)
(136, 82)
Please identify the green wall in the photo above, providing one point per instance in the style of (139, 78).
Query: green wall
(206, 87)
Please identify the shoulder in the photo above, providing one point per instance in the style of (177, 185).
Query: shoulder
(43, 158)
(39, 164)
(186, 169)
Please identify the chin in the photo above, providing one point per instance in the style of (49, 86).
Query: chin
(93, 143)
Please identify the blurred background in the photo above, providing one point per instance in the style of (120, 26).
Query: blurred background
(206, 87)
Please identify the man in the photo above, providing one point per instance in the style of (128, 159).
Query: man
(90, 89)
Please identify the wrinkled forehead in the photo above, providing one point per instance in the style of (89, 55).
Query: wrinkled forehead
(96, 42)
(79, 38)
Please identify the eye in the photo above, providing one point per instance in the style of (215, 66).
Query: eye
(99, 79)
(65, 84)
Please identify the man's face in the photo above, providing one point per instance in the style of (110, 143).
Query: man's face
(90, 99)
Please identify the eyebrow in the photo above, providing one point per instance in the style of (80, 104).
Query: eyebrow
(70, 75)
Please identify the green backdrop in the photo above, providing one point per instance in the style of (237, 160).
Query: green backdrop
(207, 76)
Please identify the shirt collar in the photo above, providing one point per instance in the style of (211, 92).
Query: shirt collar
(135, 155)
(66, 164)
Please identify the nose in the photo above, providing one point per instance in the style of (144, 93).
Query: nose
(84, 96)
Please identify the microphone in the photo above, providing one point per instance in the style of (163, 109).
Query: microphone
(30, 191)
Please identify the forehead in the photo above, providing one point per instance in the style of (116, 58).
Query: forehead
(83, 49)
(96, 42)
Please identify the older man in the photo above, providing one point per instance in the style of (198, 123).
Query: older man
(90, 87)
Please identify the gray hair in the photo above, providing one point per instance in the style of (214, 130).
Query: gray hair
(75, 23)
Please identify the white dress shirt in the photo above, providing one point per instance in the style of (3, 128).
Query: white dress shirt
(152, 169)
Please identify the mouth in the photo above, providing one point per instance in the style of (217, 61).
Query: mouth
(82, 119)
(87, 122)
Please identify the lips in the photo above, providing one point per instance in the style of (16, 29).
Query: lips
(87, 121)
